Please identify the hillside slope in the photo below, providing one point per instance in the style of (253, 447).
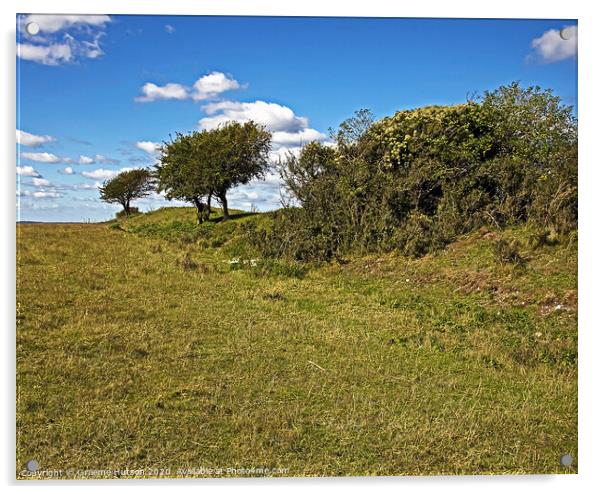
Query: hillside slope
(165, 344)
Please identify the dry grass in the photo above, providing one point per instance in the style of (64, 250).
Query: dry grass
(129, 358)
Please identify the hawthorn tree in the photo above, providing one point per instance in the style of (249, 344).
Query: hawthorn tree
(243, 150)
(127, 186)
(198, 166)
(184, 171)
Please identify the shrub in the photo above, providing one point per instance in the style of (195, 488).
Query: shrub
(417, 180)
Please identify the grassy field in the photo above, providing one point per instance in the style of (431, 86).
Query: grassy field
(159, 345)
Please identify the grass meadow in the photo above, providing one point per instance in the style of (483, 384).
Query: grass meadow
(159, 345)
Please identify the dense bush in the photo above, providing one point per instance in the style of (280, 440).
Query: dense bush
(415, 181)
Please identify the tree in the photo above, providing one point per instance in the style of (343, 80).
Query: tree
(242, 155)
(127, 186)
(198, 166)
(185, 169)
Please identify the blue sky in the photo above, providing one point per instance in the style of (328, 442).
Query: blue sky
(97, 93)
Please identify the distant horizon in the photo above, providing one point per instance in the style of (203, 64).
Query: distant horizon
(96, 94)
(233, 211)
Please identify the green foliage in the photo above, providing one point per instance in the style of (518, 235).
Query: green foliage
(194, 167)
(127, 186)
(417, 180)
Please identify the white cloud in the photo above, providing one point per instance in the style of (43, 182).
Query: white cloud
(99, 158)
(39, 194)
(103, 174)
(53, 54)
(274, 116)
(32, 140)
(27, 171)
(298, 138)
(152, 92)
(148, 146)
(50, 23)
(169, 28)
(67, 171)
(46, 194)
(280, 153)
(54, 45)
(40, 182)
(289, 131)
(95, 185)
(41, 157)
(85, 160)
(555, 45)
(212, 85)
(241, 195)
(206, 87)
(91, 49)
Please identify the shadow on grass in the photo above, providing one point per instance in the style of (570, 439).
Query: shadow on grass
(233, 216)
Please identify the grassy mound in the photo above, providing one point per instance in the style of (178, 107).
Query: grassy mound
(166, 354)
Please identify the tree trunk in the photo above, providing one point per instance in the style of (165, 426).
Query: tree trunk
(126, 207)
(224, 201)
(200, 210)
(208, 210)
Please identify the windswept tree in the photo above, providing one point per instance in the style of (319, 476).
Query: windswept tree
(127, 186)
(198, 166)
(242, 155)
(185, 169)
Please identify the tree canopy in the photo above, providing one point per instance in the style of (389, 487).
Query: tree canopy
(127, 186)
(198, 166)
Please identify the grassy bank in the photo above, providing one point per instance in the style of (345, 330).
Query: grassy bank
(156, 343)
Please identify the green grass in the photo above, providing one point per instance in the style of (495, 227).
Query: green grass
(161, 344)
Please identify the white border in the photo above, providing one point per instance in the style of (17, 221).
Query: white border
(590, 181)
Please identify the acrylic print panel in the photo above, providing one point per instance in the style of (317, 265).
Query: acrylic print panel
(317, 247)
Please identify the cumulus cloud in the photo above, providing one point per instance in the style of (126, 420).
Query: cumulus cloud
(212, 85)
(298, 138)
(50, 23)
(41, 157)
(93, 186)
(169, 28)
(85, 160)
(39, 194)
(67, 171)
(148, 146)
(206, 87)
(289, 131)
(152, 92)
(103, 174)
(46, 194)
(54, 45)
(555, 45)
(32, 140)
(40, 182)
(274, 116)
(27, 171)
(53, 54)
